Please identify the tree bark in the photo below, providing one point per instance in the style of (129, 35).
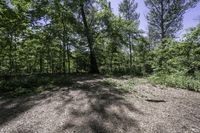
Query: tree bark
(162, 22)
(10, 54)
(41, 62)
(111, 62)
(68, 59)
(64, 45)
(64, 57)
(130, 53)
(93, 62)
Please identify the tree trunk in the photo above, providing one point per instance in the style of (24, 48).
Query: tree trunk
(48, 58)
(130, 53)
(41, 62)
(64, 57)
(162, 30)
(10, 54)
(111, 62)
(93, 62)
(61, 58)
(63, 43)
(68, 58)
(162, 22)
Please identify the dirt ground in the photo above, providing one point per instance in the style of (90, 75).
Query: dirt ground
(92, 106)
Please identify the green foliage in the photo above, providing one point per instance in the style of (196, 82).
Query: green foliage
(33, 84)
(121, 86)
(165, 17)
(128, 10)
(50, 37)
(81, 62)
(173, 57)
(143, 58)
(176, 64)
(176, 80)
(124, 83)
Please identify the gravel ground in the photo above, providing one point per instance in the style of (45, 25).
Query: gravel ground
(90, 106)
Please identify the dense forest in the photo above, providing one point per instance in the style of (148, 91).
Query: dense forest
(67, 36)
(77, 66)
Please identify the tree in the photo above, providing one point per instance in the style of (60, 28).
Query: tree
(192, 39)
(165, 17)
(63, 21)
(127, 9)
(13, 22)
(90, 39)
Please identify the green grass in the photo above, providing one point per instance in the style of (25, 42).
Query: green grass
(124, 85)
(30, 85)
(177, 81)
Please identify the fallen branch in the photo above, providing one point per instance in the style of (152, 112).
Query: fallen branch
(155, 101)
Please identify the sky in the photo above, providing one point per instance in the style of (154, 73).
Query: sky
(190, 17)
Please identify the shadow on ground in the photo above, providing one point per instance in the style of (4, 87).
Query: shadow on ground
(87, 106)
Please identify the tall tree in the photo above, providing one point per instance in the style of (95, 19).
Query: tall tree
(90, 39)
(63, 19)
(127, 9)
(165, 17)
(13, 23)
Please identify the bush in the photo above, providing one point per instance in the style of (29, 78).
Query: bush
(25, 85)
(176, 80)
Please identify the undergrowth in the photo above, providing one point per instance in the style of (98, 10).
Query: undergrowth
(128, 84)
(177, 81)
(29, 85)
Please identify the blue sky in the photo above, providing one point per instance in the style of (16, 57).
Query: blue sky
(190, 17)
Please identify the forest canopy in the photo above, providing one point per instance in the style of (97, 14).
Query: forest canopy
(81, 36)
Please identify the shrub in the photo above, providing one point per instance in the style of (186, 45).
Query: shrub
(176, 80)
(19, 86)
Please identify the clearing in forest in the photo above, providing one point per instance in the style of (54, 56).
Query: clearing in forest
(97, 104)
